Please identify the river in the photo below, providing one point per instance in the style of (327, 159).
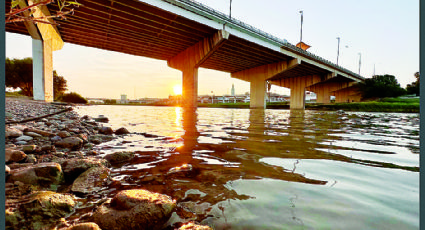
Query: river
(271, 169)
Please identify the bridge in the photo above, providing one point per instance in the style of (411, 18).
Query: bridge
(189, 36)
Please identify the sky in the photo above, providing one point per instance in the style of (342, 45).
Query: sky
(384, 32)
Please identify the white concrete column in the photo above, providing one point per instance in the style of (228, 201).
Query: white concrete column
(42, 70)
(257, 93)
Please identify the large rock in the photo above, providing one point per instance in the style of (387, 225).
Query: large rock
(44, 174)
(13, 132)
(39, 211)
(91, 180)
(12, 155)
(73, 168)
(134, 209)
(70, 143)
(119, 157)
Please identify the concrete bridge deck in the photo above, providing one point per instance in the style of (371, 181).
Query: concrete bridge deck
(188, 35)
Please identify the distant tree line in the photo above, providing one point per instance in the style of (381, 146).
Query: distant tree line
(380, 86)
(19, 74)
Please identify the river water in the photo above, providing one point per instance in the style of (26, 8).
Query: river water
(271, 169)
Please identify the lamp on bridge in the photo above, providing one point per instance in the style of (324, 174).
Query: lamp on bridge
(303, 46)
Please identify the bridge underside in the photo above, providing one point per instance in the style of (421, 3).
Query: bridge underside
(137, 28)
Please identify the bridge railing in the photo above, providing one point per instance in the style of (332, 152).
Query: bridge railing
(282, 42)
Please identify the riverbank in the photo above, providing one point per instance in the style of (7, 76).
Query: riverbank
(52, 169)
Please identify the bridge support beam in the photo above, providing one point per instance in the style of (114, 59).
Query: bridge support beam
(258, 76)
(46, 39)
(325, 89)
(348, 94)
(298, 86)
(189, 61)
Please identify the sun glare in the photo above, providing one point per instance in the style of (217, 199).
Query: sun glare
(177, 90)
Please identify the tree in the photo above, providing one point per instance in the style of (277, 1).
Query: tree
(413, 88)
(19, 74)
(59, 85)
(381, 86)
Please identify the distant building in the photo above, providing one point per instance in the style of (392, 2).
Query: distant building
(123, 99)
(232, 92)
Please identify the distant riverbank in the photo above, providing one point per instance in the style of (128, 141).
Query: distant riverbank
(398, 105)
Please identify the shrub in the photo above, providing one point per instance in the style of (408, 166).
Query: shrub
(73, 98)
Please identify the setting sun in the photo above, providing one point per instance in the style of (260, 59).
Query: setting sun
(177, 89)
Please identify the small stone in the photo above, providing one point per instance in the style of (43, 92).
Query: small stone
(44, 174)
(119, 157)
(63, 134)
(83, 226)
(70, 142)
(31, 159)
(12, 155)
(21, 142)
(13, 132)
(56, 138)
(106, 130)
(192, 226)
(32, 134)
(29, 148)
(24, 138)
(102, 119)
(121, 131)
(7, 170)
(40, 132)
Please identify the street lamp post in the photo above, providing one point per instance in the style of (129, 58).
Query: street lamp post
(360, 61)
(301, 32)
(230, 14)
(337, 55)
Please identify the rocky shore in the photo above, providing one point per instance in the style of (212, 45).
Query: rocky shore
(51, 166)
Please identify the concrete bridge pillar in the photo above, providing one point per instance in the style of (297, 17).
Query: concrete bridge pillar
(46, 39)
(325, 89)
(189, 61)
(298, 86)
(258, 76)
(42, 70)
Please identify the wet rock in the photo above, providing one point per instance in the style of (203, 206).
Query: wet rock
(134, 209)
(70, 143)
(24, 138)
(41, 210)
(121, 131)
(72, 168)
(13, 132)
(92, 180)
(63, 134)
(12, 155)
(192, 226)
(44, 174)
(106, 130)
(83, 226)
(119, 157)
(48, 148)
